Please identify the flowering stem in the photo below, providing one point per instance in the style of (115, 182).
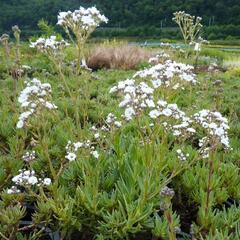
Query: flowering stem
(196, 61)
(60, 170)
(50, 165)
(80, 56)
(69, 35)
(209, 186)
(168, 216)
(59, 69)
(17, 50)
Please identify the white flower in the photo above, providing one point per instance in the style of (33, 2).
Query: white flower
(16, 179)
(95, 154)
(32, 180)
(20, 124)
(50, 105)
(71, 156)
(150, 103)
(25, 177)
(191, 130)
(96, 135)
(46, 44)
(181, 155)
(110, 118)
(77, 145)
(47, 181)
(117, 124)
(29, 156)
(162, 103)
(212, 125)
(113, 89)
(197, 47)
(156, 83)
(32, 98)
(82, 19)
(154, 113)
(219, 131)
(164, 74)
(144, 88)
(167, 112)
(225, 141)
(129, 113)
(13, 190)
(179, 151)
(176, 133)
(215, 125)
(127, 99)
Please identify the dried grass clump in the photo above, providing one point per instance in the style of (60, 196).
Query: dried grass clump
(124, 57)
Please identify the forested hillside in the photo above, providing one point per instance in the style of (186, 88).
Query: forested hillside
(123, 13)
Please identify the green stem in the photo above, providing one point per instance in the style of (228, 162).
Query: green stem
(59, 69)
(209, 188)
(168, 216)
(52, 170)
(3, 236)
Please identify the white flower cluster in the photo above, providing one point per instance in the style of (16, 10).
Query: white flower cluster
(99, 137)
(204, 147)
(13, 190)
(46, 44)
(33, 97)
(84, 18)
(112, 120)
(29, 156)
(72, 149)
(164, 109)
(181, 14)
(190, 25)
(181, 155)
(100, 132)
(162, 56)
(169, 74)
(216, 127)
(27, 178)
(141, 98)
(198, 44)
(96, 131)
(137, 97)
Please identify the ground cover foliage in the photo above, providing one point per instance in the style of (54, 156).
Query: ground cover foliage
(150, 152)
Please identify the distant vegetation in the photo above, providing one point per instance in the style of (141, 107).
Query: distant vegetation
(139, 18)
